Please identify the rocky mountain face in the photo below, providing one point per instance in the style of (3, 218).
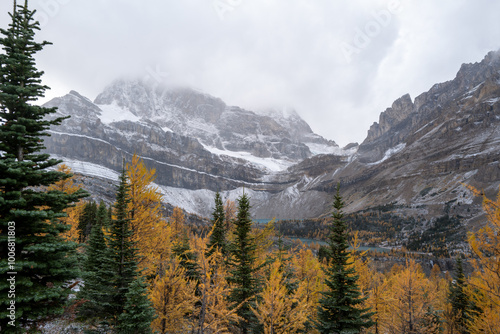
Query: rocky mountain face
(417, 157)
(421, 153)
(213, 123)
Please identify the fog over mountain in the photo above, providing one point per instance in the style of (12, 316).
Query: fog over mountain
(334, 62)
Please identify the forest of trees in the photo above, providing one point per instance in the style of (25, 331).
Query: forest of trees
(143, 272)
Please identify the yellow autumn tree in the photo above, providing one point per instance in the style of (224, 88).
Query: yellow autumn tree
(278, 311)
(177, 222)
(157, 259)
(173, 297)
(145, 213)
(409, 302)
(264, 239)
(377, 300)
(308, 272)
(485, 244)
(73, 212)
(361, 264)
(214, 313)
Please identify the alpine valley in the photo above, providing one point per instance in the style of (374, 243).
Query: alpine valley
(416, 160)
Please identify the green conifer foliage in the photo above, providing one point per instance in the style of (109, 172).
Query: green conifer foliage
(43, 260)
(218, 237)
(97, 277)
(243, 267)
(102, 218)
(339, 310)
(87, 220)
(138, 313)
(123, 254)
(462, 308)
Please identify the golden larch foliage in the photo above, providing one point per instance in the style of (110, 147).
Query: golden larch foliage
(263, 238)
(277, 311)
(214, 313)
(150, 230)
(485, 245)
(73, 212)
(311, 277)
(173, 296)
(408, 296)
(178, 223)
(361, 265)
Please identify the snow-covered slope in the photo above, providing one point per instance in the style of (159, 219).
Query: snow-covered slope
(197, 115)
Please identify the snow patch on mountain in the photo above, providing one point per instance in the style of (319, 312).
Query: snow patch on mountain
(273, 165)
(114, 113)
(328, 149)
(89, 169)
(389, 153)
(201, 201)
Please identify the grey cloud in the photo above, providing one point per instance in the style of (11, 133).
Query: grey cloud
(269, 53)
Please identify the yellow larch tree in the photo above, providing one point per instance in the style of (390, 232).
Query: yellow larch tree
(73, 212)
(145, 213)
(439, 287)
(278, 311)
(177, 222)
(410, 300)
(361, 264)
(214, 313)
(173, 297)
(485, 245)
(377, 300)
(308, 272)
(264, 239)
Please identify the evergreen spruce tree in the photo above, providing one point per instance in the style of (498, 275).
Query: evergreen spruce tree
(29, 224)
(138, 313)
(97, 277)
(462, 308)
(242, 267)
(122, 249)
(87, 220)
(218, 237)
(339, 310)
(102, 218)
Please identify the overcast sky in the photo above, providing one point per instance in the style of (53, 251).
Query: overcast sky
(339, 63)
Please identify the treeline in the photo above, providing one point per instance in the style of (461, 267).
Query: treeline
(382, 226)
(374, 227)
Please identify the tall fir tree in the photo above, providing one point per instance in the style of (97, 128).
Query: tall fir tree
(29, 224)
(340, 308)
(138, 312)
(218, 236)
(97, 276)
(102, 218)
(462, 308)
(243, 267)
(87, 220)
(123, 253)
